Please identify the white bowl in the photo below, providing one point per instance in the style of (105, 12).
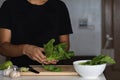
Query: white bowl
(88, 71)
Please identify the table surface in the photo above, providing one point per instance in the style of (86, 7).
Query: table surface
(101, 77)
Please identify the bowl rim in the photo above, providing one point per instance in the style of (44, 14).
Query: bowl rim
(78, 61)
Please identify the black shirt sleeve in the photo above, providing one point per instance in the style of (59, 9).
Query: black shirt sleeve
(64, 19)
(5, 16)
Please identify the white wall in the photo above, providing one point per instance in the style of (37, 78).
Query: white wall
(85, 41)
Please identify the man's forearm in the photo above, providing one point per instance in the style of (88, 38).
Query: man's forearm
(10, 50)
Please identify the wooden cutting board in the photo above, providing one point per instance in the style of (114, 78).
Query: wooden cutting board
(67, 70)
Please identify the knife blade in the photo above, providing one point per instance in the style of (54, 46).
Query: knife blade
(33, 70)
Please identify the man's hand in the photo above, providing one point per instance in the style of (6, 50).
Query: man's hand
(36, 53)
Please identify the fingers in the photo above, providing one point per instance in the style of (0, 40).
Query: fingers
(39, 57)
(42, 49)
(35, 53)
(43, 59)
(51, 62)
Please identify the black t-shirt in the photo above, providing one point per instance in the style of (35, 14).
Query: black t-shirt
(34, 24)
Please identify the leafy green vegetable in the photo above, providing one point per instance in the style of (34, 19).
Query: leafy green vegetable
(56, 52)
(49, 47)
(5, 65)
(101, 59)
(52, 68)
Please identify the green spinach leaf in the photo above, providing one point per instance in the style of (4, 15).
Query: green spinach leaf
(101, 59)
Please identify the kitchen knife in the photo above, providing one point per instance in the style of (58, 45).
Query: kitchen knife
(33, 70)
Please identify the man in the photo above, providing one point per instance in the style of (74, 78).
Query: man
(25, 25)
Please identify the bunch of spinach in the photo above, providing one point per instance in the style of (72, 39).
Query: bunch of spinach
(56, 52)
(100, 59)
